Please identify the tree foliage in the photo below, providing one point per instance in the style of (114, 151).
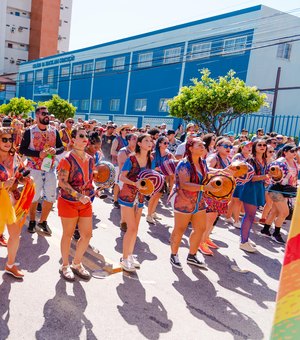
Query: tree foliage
(18, 107)
(214, 103)
(60, 108)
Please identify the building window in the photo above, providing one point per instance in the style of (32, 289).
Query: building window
(172, 55)
(115, 105)
(284, 51)
(77, 70)
(39, 75)
(85, 104)
(30, 77)
(163, 105)
(22, 77)
(234, 45)
(65, 71)
(119, 63)
(140, 105)
(145, 59)
(75, 103)
(10, 45)
(100, 66)
(87, 68)
(50, 77)
(201, 50)
(97, 104)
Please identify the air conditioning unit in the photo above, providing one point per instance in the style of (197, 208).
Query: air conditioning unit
(12, 60)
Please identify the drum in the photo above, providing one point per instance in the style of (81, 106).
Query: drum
(146, 186)
(104, 175)
(277, 171)
(219, 186)
(157, 179)
(238, 168)
(168, 167)
(241, 180)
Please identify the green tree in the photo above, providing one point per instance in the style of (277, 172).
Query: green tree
(18, 107)
(60, 108)
(214, 103)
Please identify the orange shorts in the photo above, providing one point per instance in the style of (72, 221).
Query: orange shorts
(70, 209)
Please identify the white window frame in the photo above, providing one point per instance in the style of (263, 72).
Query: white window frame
(284, 51)
(39, 75)
(85, 104)
(119, 63)
(65, 71)
(87, 68)
(172, 55)
(163, 105)
(201, 50)
(97, 105)
(145, 59)
(236, 47)
(140, 105)
(22, 78)
(114, 104)
(50, 77)
(77, 69)
(102, 64)
(30, 77)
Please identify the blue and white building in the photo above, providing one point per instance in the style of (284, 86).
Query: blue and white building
(131, 80)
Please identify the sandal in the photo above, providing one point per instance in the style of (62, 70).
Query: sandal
(67, 273)
(80, 271)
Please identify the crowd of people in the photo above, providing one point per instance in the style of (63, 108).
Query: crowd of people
(65, 155)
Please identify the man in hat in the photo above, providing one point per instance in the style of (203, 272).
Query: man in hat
(107, 140)
(259, 134)
(189, 128)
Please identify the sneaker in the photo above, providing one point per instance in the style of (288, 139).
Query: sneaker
(211, 244)
(134, 261)
(265, 232)
(3, 241)
(117, 204)
(278, 238)
(193, 260)
(127, 265)
(32, 227)
(204, 249)
(247, 247)
(237, 225)
(253, 244)
(174, 259)
(155, 216)
(43, 226)
(76, 235)
(14, 271)
(123, 226)
(39, 207)
(150, 220)
(229, 220)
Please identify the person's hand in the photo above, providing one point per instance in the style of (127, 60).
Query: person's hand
(43, 154)
(9, 183)
(51, 151)
(84, 199)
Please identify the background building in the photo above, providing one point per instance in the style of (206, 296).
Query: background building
(31, 29)
(132, 79)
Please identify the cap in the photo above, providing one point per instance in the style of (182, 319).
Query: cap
(229, 134)
(247, 142)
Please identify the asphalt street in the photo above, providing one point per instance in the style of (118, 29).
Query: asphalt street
(233, 299)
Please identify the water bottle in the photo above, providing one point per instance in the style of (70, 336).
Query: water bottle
(47, 163)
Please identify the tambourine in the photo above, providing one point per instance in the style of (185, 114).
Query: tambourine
(241, 180)
(219, 186)
(277, 171)
(157, 179)
(238, 168)
(104, 175)
(168, 167)
(146, 186)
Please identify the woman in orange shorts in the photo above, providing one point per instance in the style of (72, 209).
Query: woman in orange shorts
(75, 175)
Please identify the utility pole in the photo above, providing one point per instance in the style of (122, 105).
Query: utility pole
(275, 97)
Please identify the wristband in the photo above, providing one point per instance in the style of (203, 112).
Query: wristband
(201, 188)
(74, 193)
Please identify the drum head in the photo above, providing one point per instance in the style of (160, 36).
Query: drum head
(146, 186)
(104, 175)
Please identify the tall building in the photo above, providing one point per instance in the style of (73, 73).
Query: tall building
(32, 29)
(132, 79)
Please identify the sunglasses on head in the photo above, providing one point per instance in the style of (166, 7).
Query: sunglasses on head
(5, 140)
(259, 144)
(45, 113)
(82, 136)
(225, 146)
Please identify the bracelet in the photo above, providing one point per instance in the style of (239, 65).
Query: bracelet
(74, 193)
(201, 188)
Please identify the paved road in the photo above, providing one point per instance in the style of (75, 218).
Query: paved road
(159, 302)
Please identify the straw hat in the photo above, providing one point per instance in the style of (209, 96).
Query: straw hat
(122, 127)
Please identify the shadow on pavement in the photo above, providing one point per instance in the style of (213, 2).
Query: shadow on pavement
(218, 313)
(64, 315)
(151, 318)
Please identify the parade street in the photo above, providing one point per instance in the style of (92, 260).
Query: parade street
(233, 299)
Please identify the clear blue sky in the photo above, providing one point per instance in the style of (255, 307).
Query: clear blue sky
(96, 21)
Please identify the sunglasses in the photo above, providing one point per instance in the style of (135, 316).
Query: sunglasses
(261, 144)
(5, 140)
(271, 151)
(292, 151)
(82, 136)
(225, 146)
(274, 143)
(127, 130)
(70, 121)
(44, 113)
(165, 143)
